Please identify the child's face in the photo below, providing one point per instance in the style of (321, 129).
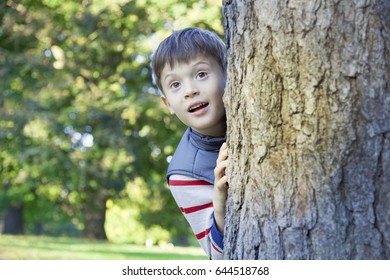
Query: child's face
(193, 92)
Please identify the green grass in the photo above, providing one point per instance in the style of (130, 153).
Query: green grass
(64, 248)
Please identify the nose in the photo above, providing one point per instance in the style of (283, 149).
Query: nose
(190, 89)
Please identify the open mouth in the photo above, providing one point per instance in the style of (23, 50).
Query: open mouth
(197, 107)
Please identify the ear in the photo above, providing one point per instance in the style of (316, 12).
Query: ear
(166, 102)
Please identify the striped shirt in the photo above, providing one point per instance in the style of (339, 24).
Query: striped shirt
(195, 200)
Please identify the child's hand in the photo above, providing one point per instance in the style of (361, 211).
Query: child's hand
(220, 187)
(219, 171)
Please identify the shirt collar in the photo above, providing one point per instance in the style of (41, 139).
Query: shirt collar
(203, 142)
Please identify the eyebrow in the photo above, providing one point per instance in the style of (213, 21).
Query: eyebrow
(200, 63)
(167, 76)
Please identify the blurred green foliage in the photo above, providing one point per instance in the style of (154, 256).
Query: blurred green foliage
(84, 138)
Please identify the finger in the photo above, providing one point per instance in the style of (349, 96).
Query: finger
(222, 164)
(224, 150)
(221, 183)
(220, 156)
(223, 154)
(219, 170)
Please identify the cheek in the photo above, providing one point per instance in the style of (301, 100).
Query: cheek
(178, 109)
(222, 84)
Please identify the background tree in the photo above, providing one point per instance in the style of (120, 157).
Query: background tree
(309, 143)
(83, 135)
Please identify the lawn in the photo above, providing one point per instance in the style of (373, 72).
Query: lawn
(64, 248)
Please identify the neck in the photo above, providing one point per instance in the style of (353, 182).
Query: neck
(216, 131)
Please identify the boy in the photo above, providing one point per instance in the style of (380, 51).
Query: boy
(189, 67)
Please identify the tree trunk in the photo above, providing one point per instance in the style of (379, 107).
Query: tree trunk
(13, 220)
(308, 108)
(95, 216)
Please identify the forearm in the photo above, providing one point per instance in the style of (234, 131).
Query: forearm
(220, 188)
(219, 204)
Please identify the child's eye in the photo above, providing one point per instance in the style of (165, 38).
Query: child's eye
(174, 85)
(201, 75)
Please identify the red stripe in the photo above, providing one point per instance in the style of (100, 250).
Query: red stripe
(196, 208)
(188, 183)
(202, 234)
(216, 248)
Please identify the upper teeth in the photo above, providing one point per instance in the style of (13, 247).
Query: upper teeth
(197, 106)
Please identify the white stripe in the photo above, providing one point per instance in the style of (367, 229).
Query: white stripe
(190, 196)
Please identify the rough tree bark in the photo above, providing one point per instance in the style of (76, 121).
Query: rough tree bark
(308, 108)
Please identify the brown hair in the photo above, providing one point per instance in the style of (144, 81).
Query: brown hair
(183, 45)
